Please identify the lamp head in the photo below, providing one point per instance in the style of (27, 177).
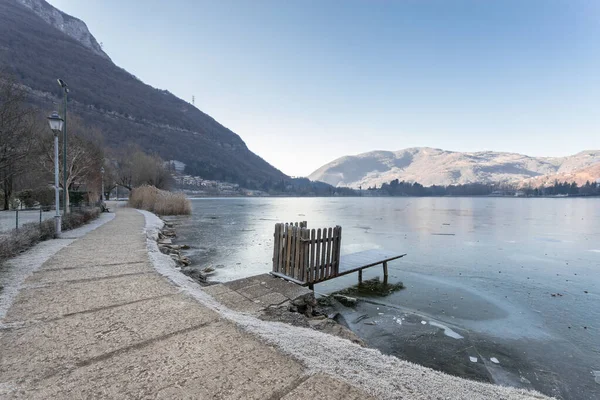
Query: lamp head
(56, 122)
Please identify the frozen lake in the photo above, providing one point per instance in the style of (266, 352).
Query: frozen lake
(486, 267)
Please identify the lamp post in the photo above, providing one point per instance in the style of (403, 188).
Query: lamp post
(56, 124)
(102, 193)
(65, 89)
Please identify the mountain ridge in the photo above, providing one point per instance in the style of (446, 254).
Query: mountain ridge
(71, 26)
(126, 109)
(432, 166)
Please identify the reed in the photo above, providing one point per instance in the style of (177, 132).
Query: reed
(159, 201)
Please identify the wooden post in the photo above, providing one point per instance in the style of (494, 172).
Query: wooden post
(360, 276)
(276, 237)
(318, 271)
(313, 246)
(385, 273)
(288, 250)
(297, 253)
(327, 263)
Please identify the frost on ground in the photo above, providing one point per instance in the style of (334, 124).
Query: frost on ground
(14, 271)
(384, 377)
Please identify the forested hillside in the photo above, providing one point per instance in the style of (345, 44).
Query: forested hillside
(125, 109)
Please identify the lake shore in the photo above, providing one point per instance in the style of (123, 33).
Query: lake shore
(519, 289)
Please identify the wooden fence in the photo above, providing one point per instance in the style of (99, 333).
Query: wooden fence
(307, 256)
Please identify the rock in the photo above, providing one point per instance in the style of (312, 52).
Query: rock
(163, 249)
(208, 270)
(346, 300)
(185, 261)
(165, 241)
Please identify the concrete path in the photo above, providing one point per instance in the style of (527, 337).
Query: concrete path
(97, 321)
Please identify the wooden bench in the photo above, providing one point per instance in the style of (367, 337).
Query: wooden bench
(306, 257)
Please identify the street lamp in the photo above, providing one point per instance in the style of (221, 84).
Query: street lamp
(56, 124)
(65, 89)
(102, 193)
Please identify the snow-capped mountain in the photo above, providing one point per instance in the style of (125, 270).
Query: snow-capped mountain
(430, 166)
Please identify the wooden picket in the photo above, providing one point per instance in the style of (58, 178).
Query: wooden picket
(307, 256)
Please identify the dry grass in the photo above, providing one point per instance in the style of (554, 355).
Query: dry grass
(159, 201)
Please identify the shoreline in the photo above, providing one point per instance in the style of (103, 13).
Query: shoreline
(298, 341)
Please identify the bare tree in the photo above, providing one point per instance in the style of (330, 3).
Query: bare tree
(18, 126)
(85, 156)
(109, 178)
(136, 168)
(150, 170)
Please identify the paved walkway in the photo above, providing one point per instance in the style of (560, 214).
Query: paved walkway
(97, 321)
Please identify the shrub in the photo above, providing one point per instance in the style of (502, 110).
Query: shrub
(26, 198)
(160, 201)
(79, 217)
(19, 240)
(44, 196)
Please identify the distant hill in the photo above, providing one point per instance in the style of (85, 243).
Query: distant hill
(39, 44)
(430, 166)
(580, 176)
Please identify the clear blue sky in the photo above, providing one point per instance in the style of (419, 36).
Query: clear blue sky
(304, 82)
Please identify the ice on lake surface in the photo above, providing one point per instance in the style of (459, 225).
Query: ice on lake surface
(491, 273)
(447, 331)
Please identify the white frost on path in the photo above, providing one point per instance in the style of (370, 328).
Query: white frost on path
(14, 271)
(384, 377)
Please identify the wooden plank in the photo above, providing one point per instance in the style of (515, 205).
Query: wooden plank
(301, 247)
(306, 250)
(282, 247)
(368, 259)
(288, 278)
(328, 258)
(288, 250)
(321, 241)
(298, 251)
(318, 275)
(312, 245)
(276, 238)
(339, 251)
